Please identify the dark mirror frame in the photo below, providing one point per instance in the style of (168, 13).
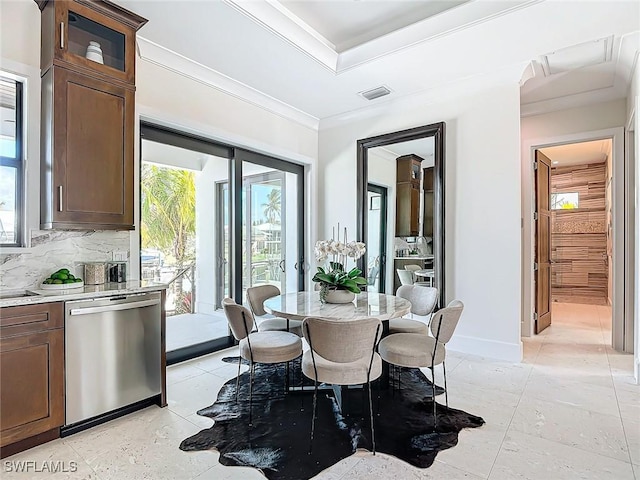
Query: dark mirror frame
(436, 130)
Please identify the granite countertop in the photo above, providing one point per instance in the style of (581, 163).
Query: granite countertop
(88, 291)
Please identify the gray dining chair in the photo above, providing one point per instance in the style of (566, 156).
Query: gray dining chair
(341, 353)
(256, 296)
(423, 301)
(417, 350)
(413, 269)
(259, 347)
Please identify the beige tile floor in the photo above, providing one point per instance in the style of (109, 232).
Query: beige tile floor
(570, 410)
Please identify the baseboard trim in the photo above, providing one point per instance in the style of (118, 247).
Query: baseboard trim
(483, 347)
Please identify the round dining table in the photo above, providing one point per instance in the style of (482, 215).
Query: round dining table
(299, 305)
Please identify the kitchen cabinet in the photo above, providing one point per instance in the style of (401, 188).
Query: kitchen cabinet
(88, 110)
(408, 172)
(31, 375)
(428, 202)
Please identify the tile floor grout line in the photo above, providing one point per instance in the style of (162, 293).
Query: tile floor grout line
(64, 441)
(515, 409)
(615, 392)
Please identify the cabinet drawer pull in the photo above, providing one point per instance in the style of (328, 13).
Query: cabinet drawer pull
(60, 198)
(62, 35)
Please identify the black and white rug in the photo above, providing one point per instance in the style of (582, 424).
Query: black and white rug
(278, 441)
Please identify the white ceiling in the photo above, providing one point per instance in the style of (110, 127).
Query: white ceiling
(349, 24)
(423, 147)
(578, 153)
(264, 47)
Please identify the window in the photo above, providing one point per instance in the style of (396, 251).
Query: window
(564, 201)
(11, 162)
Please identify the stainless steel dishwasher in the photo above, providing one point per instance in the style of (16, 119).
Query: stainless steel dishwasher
(112, 353)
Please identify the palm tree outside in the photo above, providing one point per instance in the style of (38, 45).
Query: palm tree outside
(168, 213)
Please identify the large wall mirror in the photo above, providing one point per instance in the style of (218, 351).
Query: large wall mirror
(401, 208)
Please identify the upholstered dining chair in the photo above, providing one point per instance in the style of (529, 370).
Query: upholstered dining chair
(416, 350)
(423, 300)
(259, 347)
(256, 296)
(413, 269)
(341, 353)
(405, 276)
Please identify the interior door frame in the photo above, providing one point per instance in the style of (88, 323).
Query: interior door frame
(528, 188)
(384, 194)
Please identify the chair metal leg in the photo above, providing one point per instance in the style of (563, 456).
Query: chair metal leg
(313, 413)
(433, 391)
(373, 434)
(446, 391)
(286, 380)
(238, 378)
(251, 393)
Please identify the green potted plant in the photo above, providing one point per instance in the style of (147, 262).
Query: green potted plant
(338, 285)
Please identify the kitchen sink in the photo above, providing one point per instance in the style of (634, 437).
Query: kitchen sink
(17, 294)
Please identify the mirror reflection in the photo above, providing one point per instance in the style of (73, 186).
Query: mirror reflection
(400, 215)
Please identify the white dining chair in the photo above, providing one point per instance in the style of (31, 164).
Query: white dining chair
(259, 347)
(416, 268)
(417, 350)
(341, 353)
(423, 301)
(256, 296)
(405, 276)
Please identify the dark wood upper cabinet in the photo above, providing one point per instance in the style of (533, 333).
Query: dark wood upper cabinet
(408, 173)
(88, 110)
(69, 25)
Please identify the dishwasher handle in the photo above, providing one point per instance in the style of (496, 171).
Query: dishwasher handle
(113, 308)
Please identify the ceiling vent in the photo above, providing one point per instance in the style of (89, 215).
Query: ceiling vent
(375, 93)
(577, 56)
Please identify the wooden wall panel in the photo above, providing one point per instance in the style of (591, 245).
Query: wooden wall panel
(579, 240)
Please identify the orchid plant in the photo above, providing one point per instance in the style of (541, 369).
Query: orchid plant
(337, 253)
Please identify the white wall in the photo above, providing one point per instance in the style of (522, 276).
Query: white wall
(541, 130)
(633, 123)
(482, 231)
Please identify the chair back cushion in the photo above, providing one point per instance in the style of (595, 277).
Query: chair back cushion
(237, 315)
(405, 276)
(423, 299)
(256, 297)
(445, 321)
(412, 268)
(342, 341)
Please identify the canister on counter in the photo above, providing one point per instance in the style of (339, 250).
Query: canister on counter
(117, 272)
(95, 273)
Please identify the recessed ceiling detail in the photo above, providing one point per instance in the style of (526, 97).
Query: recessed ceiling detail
(577, 56)
(581, 153)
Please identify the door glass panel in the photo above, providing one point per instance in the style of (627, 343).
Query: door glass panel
(184, 238)
(96, 42)
(270, 228)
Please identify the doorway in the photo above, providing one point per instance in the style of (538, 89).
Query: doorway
(573, 265)
(377, 237)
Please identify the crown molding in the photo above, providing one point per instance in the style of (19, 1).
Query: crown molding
(181, 65)
(275, 17)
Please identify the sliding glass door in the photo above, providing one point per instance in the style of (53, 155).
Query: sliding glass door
(214, 221)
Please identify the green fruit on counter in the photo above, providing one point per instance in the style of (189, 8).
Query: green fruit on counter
(68, 280)
(78, 280)
(57, 281)
(63, 276)
(63, 270)
(71, 277)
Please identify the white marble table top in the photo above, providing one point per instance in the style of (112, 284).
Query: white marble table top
(297, 306)
(424, 273)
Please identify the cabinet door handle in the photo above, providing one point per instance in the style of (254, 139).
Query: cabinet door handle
(62, 35)
(60, 198)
